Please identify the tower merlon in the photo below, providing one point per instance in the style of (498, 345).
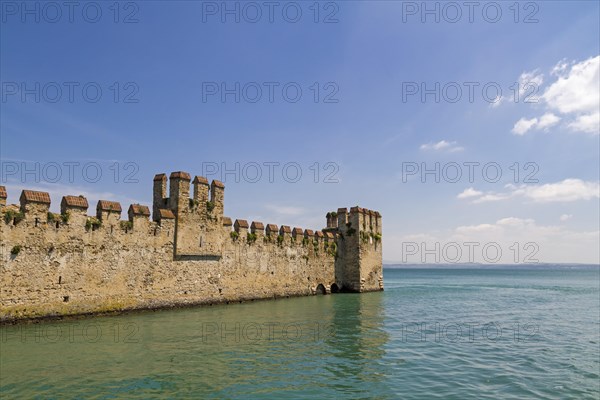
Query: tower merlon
(159, 195)
(179, 191)
(201, 190)
(342, 217)
(332, 219)
(217, 198)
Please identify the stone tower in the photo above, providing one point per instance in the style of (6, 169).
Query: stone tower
(198, 217)
(359, 266)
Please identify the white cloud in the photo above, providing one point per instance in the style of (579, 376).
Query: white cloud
(470, 192)
(530, 82)
(547, 120)
(524, 125)
(564, 191)
(574, 94)
(588, 123)
(490, 197)
(499, 100)
(576, 90)
(566, 217)
(567, 190)
(560, 67)
(442, 145)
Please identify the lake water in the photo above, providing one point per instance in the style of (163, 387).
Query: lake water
(476, 333)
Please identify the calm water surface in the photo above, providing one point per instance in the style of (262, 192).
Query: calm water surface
(434, 333)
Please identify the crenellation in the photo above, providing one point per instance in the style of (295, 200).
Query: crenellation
(271, 231)
(286, 232)
(319, 236)
(74, 209)
(188, 254)
(139, 217)
(35, 206)
(329, 237)
(109, 212)
(241, 226)
(257, 228)
(298, 234)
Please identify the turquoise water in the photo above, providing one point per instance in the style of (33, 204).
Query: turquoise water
(434, 333)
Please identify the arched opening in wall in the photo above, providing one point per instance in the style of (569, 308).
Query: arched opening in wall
(335, 288)
(321, 289)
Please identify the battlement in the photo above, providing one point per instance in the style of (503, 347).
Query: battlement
(183, 243)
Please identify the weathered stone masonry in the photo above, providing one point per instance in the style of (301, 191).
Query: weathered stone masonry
(73, 263)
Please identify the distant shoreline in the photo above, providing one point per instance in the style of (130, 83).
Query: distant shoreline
(490, 266)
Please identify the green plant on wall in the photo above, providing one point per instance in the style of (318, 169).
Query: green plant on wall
(304, 242)
(364, 237)
(234, 235)
(210, 206)
(332, 250)
(65, 217)
(92, 223)
(16, 250)
(280, 239)
(351, 231)
(251, 237)
(126, 225)
(11, 215)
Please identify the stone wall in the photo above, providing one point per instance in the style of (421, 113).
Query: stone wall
(72, 263)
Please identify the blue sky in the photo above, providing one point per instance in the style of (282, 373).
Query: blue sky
(364, 127)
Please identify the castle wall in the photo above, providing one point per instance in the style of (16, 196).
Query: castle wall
(188, 254)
